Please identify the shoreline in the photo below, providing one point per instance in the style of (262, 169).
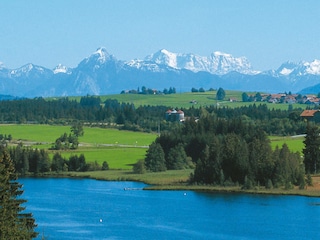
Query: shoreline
(221, 189)
(181, 185)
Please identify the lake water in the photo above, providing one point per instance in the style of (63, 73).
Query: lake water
(91, 209)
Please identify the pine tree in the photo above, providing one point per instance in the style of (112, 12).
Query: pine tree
(312, 149)
(177, 158)
(14, 223)
(220, 94)
(155, 161)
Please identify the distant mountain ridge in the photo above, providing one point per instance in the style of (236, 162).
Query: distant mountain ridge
(102, 73)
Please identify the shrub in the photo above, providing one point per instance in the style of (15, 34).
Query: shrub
(139, 167)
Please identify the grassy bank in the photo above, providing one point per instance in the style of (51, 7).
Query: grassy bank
(178, 180)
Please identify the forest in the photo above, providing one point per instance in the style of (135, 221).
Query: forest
(226, 152)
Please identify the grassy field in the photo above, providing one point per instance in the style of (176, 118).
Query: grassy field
(120, 149)
(49, 133)
(179, 100)
(182, 100)
(294, 143)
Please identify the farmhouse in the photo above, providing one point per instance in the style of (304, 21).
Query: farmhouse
(311, 115)
(174, 115)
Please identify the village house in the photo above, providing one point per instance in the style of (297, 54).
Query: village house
(311, 115)
(314, 101)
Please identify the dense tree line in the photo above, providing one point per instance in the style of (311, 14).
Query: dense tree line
(272, 121)
(37, 161)
(14, 222)
(225, 151)
(146, 91)
(90, 109)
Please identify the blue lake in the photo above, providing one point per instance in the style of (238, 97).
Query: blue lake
(91, 209)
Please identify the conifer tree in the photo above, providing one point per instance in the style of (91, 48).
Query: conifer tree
(14, 223)
(155, 160)
(312, 149)
(220, 94)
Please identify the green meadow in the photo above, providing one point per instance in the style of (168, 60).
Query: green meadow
(188, 99)
(183, 100)
(119, 148)
(295, 143)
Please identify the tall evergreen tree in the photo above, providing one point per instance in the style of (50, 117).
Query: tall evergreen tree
(177, 158)
(311, 150)
(221, 94)
(155, 161)
(14, 224)
(245, 97)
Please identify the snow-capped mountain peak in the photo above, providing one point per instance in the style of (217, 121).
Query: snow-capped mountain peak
(27, 68)
(97, 59)
(61, 69)
(102, 52)
(163, 57)
(225, 62)
(216, 63)
(101, 55)
(302, 68)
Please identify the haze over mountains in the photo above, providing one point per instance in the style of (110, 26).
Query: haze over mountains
(102, 73)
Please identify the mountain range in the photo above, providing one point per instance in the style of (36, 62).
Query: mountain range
(102, 73)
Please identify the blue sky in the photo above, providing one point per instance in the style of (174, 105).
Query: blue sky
(267, 32)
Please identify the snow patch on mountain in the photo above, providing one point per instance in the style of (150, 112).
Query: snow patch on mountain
(313, 67)
(61, 69)
(144, 65)
(286, 71)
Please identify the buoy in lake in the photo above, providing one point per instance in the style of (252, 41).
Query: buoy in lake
(100, 220)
